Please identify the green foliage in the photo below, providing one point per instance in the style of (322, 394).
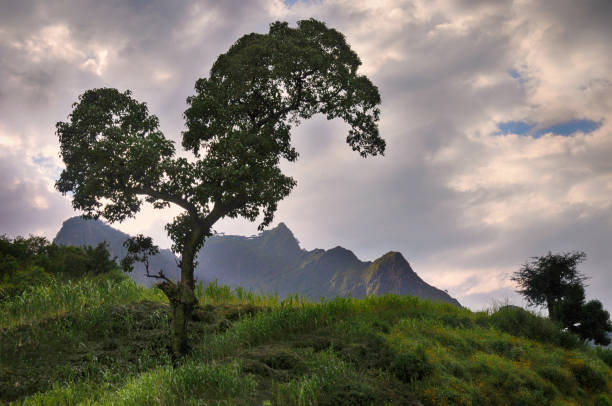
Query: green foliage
(594, 323)
(409, 367)
(241, 116)
(18, 281)
(33, 261)
(520, 322)
(214, 293)
(554, 281)
(327, 372)
(57, 298)
(550, 279)
(140, 249)
(602, 400)
(587, 376)
(605, 354)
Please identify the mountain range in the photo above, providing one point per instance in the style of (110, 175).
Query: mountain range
(271, 262)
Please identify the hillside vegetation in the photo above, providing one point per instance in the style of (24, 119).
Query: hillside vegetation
(102, 340)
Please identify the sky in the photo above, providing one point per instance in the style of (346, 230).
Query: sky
(497, 116)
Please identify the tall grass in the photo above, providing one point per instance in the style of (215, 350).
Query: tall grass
(327, 371)
(184, 385)
(191, 383)
(280, 321)
(483, 365)
(58, 298)
(215, 294)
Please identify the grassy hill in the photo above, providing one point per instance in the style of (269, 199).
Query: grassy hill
(101, 340)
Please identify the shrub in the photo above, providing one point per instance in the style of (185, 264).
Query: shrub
(605, 355)
(587, 376)
(409, 367)
(519, 322)
(33, 261)
(20, 280)
(558, 376)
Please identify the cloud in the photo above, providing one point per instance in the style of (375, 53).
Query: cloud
(465, 206)
(29, 204)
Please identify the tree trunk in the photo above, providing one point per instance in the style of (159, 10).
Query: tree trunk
(182, 297)
(553, 307)
(182, 302)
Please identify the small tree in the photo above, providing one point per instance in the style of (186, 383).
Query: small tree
(550, 280)
(238, 128)
(553, 281)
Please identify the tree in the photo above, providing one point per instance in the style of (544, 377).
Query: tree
(238, 127)
(554, 281)
(550, 280)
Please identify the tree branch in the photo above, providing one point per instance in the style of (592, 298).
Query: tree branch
(160, 274)
(185, 204)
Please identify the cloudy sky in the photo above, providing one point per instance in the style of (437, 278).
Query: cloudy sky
(497, 116)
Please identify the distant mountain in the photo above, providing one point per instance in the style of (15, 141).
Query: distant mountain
(273, 261)
(78, 231)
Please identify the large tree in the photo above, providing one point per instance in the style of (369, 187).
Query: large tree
(238, 124)
(553, 281)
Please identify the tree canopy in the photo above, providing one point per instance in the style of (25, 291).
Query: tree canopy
(550, 279)
(238, 126)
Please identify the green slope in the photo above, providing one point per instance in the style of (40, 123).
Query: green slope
(102, 341)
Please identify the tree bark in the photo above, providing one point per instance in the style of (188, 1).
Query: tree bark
(553, 307)
(182, 302)
(182, 296)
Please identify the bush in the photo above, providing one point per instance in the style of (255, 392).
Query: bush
(409, 367)
(605, 355)
(587, 376)
(20, 280)
(519, 322)
(558, 376)
(33, 261)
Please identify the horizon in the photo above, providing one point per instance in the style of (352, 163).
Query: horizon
(497, 117)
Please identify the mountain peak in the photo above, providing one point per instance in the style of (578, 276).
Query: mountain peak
(392, 261)
(280, 238)
(394, 257)
(339, 251)
(281, 227)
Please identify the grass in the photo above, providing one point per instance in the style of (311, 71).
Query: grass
(103, 341)
(85, 295)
